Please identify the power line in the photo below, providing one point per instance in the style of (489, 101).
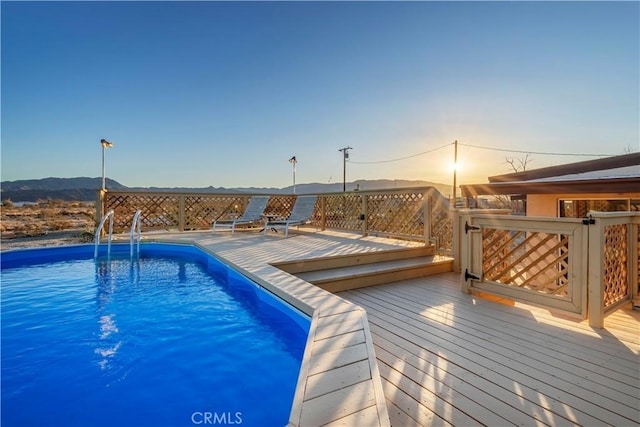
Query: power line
(505, 150)
(403, 158)
(535, 152)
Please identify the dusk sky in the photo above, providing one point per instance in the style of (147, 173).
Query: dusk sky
(194, 94)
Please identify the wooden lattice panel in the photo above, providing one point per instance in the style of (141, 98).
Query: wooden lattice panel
(396, 213)
(279, 206)
(535, 261)
(201, 211)
(441, 224)
(615, 264)
(342, 211)
(124, 209)
(158, 211)
(197, 212)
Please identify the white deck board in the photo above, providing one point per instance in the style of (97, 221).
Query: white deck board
(452, 354)
(341, 341)
(444, 358)
(366, 417)
(331, 328)
(529, 383)
(323, 362)
(339, 382)
(344, 376)
(529, 346)
(341, 403)
(364, 269)
(420, 404)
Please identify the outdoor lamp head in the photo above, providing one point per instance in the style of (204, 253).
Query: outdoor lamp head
(106, 143)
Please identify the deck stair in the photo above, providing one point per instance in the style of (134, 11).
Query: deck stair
(340, 273)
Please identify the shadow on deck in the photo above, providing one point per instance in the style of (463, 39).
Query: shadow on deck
(449, 358)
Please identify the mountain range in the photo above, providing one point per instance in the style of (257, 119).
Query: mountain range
(85, 188)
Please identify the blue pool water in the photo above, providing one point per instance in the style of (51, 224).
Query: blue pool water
(170, 338)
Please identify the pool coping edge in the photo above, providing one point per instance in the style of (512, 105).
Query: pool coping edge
(313, 301)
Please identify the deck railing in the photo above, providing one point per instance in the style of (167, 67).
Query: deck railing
(584, 266)
(420, 214)
(614, 262)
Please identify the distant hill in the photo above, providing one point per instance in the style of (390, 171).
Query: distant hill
(85, 189)
(365, 185)
(49, 184)
(32, 190)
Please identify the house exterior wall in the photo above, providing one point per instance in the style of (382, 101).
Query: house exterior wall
(542, 205)
(547, 204)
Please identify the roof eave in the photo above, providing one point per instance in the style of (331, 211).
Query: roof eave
(611, 185)
(614, 162)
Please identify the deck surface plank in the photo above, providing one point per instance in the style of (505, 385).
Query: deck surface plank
(341, 403)
(444, 358)
(339, 382)
(448, 357)
(529, 346)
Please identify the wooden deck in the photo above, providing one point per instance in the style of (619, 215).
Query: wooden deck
(339, 383)
(449, 358)
(443, 357)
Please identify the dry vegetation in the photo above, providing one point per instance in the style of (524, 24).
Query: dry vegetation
(46, 223)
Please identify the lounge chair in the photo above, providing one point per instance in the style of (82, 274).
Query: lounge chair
(300, 215)
(252, 214)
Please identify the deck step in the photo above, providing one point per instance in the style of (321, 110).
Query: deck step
(337, 274)
(336, 261)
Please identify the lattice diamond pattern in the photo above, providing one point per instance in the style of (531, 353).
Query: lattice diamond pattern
(158, 211)
(279, 206)
(201, 211)
(394, 213)
(343, 211)
(400, 213)
(615, 264)
(530, 260)
(441, 224)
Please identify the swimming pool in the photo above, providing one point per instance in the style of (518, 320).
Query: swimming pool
(172, 337)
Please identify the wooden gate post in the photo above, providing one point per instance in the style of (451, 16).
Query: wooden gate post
(462, 246)
(365, 215)
(181, 213)
(427, 208)
(100, 205)
(595, 293)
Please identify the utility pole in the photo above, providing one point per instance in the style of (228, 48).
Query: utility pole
(455, 172)
(345, 156)
(293, 161)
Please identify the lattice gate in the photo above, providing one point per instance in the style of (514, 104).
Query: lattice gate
(614, 260)
(529, 259)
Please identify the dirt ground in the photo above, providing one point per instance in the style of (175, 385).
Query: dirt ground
(48, 223)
